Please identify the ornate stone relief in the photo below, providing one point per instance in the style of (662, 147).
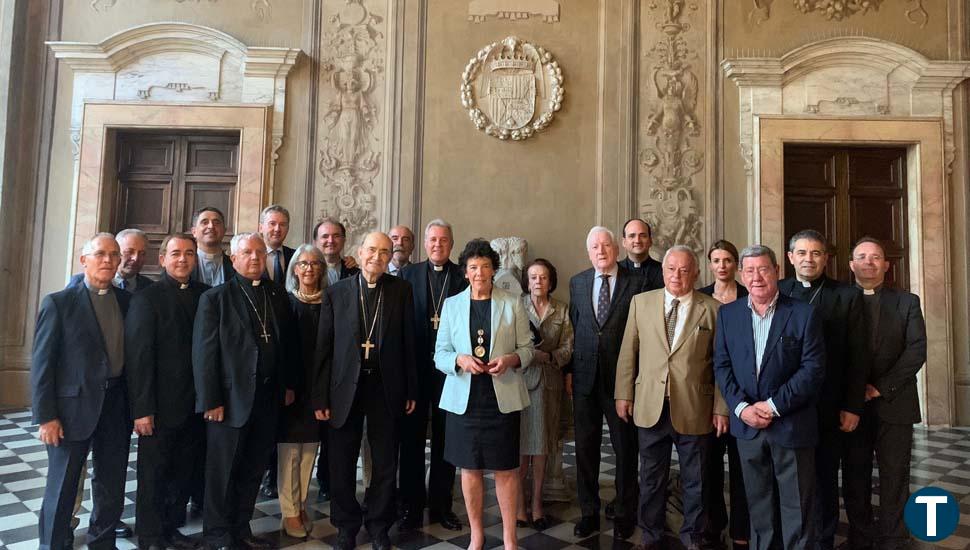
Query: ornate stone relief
(671, 160)
(480, 10)
(261, 8)
(350, 153)
(511, 253)
(506, 83)
(837, 10)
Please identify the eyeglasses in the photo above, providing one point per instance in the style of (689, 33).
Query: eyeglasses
(763, 270)
(305, 265)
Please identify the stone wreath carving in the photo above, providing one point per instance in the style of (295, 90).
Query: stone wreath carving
(512, 89)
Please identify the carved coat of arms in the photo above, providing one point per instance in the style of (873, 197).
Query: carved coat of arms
(511, 89)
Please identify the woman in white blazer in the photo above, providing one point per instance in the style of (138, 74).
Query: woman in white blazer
(483, 341)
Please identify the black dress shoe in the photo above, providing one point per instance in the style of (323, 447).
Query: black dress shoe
(587, 526)
(122, 531)
(521, 523)
(540, 524)
(252, 542)
(410, 520)
(622, 530)
(178, 541)
(610, 510)
(381, 541)
(447, 519)
(345, 540)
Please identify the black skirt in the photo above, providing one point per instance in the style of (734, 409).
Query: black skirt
(483, 438)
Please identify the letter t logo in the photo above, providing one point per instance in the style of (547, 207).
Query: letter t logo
(931, 502)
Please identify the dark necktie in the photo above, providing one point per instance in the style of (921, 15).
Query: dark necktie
(671, 322)
(278, 268)
(603, 301)
(123, 285)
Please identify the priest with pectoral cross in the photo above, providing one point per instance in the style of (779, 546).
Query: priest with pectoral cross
(365, 370)
(244, 372)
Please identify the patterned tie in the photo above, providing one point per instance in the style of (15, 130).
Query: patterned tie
(670, 320)
(603, 301)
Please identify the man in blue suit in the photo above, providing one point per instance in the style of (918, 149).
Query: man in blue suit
(79, 396)
(769, 361)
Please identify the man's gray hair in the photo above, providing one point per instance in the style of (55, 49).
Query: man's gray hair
(125, 233)
(438, 222)
(683, 249)
(271, 209)
(88, 247)
(755, 251)
(240, 237)
(292, 281)
(599, 229)
(809, 234)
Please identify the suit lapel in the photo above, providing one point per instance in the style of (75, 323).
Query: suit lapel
(354, 307)
(87, 309)
(463, 307)
(690, 324)
(237, 299)
(385, 312)
(588, 295)
(622, 281)
(496, 311)
(747, 336)
(655, 310)
(778, 322)
(888, 304)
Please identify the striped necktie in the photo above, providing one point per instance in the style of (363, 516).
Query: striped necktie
(670, 320)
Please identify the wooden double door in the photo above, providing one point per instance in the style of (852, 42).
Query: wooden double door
(848, 193)
(163, 178)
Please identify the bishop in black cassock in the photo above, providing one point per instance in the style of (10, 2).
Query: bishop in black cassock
(241, 358)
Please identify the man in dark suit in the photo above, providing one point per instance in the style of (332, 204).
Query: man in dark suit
(330, 236)
(896, 340)
(158, 352)
(637, 240)
(769, 360)
(133, 244)
(599, 303)
(213, 267)
(274, 225)
(366, 372)
(432, 281)
(242, 365)
(842, 397)
(79, 398)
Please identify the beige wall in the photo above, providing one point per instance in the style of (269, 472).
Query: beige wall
(549, 189)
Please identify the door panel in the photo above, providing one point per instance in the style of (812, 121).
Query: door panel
(848, 193)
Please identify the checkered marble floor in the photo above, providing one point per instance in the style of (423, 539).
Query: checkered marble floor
(941, 457)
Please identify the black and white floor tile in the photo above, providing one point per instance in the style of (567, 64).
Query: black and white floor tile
(941, 457)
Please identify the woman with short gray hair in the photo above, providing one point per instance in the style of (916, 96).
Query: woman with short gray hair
(299, 434)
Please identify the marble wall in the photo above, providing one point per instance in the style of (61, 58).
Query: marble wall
(376, 132)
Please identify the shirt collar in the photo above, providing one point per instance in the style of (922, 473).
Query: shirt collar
(96, 291)
(612, 272)
(685, 300)
(769, 310)
(870, 292)
(809, 284)
(217, 257)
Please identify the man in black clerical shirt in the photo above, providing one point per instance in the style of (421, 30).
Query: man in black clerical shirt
(366, 371)
(637, 240)
(843, 392)
(433, 281)
(79, 398)
(896, 340)
(241, 359)
(158, 359)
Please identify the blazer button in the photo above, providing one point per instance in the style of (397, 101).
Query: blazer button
(599, 333)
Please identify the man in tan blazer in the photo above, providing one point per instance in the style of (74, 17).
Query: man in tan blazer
(665, 383)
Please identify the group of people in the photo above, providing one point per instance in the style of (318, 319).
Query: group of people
(281, 358)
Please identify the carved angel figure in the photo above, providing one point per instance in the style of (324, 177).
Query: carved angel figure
(677, 90)
(349, 114)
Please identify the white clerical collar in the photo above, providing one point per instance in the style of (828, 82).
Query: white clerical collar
(805, 282)
(209, 257)
(183, 286)
(437, 267)
(95, 290)
(256, 282)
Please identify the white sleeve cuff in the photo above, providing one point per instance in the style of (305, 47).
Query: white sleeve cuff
(741, 406)
(771, 403)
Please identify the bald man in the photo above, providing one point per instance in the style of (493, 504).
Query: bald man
(403, 246)
(366, 371)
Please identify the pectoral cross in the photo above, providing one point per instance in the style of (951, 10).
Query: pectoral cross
(265, 336)
(367, 347)
(435, 320)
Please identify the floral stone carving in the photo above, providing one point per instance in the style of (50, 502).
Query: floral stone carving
(512, 89)
(350, 158)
